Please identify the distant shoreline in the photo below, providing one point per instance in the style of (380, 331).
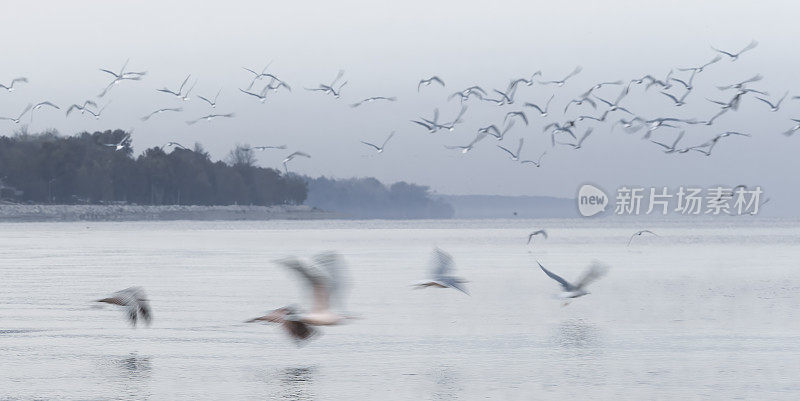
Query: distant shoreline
(49, 213)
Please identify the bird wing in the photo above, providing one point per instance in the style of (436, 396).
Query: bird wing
(313, 277)
(564, 283)
(507, 151)
(441, 263)
(391, 134)
(593, 272)
(372, 145)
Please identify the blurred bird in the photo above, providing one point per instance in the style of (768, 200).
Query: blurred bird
(18, 118)
(212, 103)
(429, 81)
(325, 275)
(379, 149)
(211, 117)
(10, 87)
(135, 303)
(159, 111)
(639, 234)
(291, 157)
(735, 56)
(537, 163)
(441, 269)
(561, 82)
(469, 146)
(514, 155)
(372, 99)
(578, 289)
(543, 233)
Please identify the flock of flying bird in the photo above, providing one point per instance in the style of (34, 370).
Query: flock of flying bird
(326, 275)
(675, 87)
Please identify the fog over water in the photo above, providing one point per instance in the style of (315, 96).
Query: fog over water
(699, 312)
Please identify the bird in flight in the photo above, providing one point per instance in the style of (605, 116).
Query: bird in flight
(212, 103)
(639, 234)
(211, 117)
(379, 149)
(159, 111)
(121, 144)
(329, 89)
(577, 145)
(326, 277)
(469, 146)
(429, 81)
(578, 288)
(39, 105)
(537, 163)
(441, 273)
(268, 147)
(735, 56)
(776, 106)
(121, 76)
(372, 99)
(543, 233)
(179, 93)
(10, 87)
(135, 303)
(291, 157)
(514, 155)
(18, 118)
(82, 107)
(561, 82)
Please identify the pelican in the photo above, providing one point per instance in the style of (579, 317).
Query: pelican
(179, 93)
(429, 81)
(542, 111)
(16, 120)
(469, 146)
(593, 272)
(735, 56)
(441, 268)
(543, 233)
(537, 163)
(211, 103)
(379, 149)
(325, 275)
(10, 87)
(135, 303)
(776, 106)
(514, 156)
(291, 157)
(82, 107)
(561, 82)
(147, 117)
(639, 234)
(121, 144)
(372, 99)
(211, 117)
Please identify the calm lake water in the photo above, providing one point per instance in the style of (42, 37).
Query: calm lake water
(707, 310)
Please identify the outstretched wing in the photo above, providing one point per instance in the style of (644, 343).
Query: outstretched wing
(564, 283)
(593, 272)
(441, 263)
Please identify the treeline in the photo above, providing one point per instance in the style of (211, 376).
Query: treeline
(369, 198)
(48, 168)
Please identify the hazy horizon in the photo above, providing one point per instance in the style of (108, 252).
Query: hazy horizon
(385, 49)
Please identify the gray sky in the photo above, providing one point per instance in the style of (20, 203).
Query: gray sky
(385, 49)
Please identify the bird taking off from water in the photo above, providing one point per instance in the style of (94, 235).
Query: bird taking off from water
(441, 269)
(135, 303)
(325, 275)
(578, 289)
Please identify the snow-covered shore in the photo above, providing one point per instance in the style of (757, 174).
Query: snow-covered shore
(16, 212)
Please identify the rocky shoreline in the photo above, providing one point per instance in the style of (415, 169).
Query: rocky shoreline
(24, 213)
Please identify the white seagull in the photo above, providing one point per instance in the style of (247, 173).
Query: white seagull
(372, 99)
(379, 149)
(179, 93)
(325, 276)
(211, 117)
(561, 82)
(82, 107)
(542, 111)
(212, 103)
(10, 87)
(578, 289)
(135, 303)
(121, 144)
(291, 157)
(639, 234)
(735, 56)
(537, 163)
(543, 233)
(18, 118)
(429, 81)
(469, 146)
(441, 270)
(514, 155)
(159, 111)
